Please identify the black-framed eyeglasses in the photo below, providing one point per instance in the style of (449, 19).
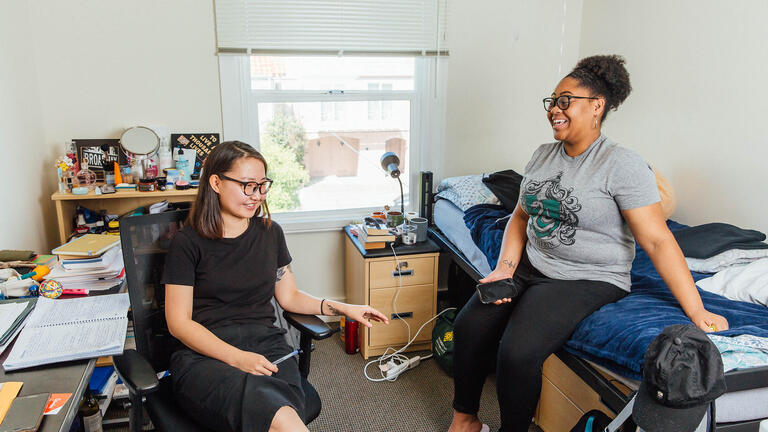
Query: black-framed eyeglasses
(562, 102)
(250, 188)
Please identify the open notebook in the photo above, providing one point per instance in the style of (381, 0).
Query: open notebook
(71, 329)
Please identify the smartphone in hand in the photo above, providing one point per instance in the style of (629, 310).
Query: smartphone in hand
(489, 292)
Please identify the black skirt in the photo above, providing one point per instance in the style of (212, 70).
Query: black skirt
(224, 398)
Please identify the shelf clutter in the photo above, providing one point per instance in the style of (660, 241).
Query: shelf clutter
(145, 171)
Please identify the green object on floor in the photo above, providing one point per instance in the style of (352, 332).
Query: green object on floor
(442, 341)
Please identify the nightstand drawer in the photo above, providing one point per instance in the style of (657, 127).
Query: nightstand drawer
(413, 271)
(415, 304)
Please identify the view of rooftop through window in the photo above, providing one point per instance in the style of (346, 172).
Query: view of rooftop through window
(324, 154)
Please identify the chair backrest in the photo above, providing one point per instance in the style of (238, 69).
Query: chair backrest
(145, 241)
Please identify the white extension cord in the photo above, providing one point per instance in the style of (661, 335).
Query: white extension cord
(394, 364)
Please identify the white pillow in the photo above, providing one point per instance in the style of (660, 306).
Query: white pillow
(747, 283)
(466, 191)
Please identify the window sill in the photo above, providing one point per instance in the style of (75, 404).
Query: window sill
(320, 221)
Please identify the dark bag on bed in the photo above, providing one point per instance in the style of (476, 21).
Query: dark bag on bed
(506, 186)
(442, 341)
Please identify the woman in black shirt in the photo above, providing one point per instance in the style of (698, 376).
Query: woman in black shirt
(221, 273)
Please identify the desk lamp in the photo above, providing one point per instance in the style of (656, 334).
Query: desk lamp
(390, 163)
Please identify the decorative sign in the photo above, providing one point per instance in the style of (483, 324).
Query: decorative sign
(89, 150)
(202, 143)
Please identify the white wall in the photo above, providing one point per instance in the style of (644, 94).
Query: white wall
(91, 68)
(318, 263)
(505, 57)
(697, 70)
(22, 188)
(103, 66)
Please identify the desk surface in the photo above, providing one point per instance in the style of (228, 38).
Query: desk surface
(427, 246)
(69, 377)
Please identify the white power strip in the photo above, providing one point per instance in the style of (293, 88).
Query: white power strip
(393, 370)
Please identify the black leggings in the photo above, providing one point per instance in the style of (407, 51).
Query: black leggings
(517, 337)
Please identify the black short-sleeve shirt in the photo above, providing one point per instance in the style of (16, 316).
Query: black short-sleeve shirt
(233, 279)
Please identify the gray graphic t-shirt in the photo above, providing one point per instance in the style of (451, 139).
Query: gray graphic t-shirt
(575, 229)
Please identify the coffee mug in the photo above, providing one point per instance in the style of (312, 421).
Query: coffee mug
(394, 218)
(411, 214)
(379, 215)
(421, 228)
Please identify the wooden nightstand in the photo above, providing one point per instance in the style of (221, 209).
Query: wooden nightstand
(373, 277)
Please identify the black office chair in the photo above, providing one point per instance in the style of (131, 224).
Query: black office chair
(145, 241)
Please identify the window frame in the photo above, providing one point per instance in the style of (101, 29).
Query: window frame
(423, 121)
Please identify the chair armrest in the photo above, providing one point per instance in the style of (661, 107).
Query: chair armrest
(310, 325)
(136, 372)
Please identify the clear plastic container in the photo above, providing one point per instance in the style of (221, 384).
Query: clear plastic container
(409, 234)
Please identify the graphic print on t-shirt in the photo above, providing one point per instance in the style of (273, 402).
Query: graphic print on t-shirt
(552, 210)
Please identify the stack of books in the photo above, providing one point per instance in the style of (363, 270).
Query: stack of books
(93, 262)
(373, 235)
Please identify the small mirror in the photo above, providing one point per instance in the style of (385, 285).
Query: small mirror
(140, 140)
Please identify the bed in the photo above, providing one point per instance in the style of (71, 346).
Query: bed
(575, 379)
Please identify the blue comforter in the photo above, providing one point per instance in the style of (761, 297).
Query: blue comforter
(617, 335)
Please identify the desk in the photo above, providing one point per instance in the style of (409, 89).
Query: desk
(69, 377)
(117, 203)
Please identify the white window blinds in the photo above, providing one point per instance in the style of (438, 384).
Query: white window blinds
(403, 27)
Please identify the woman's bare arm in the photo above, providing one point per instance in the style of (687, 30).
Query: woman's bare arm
(650, 231)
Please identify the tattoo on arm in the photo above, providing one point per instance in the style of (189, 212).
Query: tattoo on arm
(333, 310)
(282, 270)
(510, 264)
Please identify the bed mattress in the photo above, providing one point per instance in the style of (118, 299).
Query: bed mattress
(450, 219)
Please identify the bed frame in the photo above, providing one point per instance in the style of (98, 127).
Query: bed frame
(570, 384)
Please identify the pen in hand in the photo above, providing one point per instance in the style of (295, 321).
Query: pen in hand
(286, 357)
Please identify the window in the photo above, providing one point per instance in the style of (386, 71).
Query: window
(379, 110)
(323, 124)
(324, 88)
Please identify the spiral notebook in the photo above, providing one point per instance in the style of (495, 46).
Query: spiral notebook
(71, 329)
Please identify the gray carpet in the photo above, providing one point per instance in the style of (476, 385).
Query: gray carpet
(420, 399)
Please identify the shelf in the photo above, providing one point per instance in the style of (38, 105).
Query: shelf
(65, 196)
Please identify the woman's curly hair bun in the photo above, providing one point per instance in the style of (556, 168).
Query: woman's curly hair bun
(606, 76)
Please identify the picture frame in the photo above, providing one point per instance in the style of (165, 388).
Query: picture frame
(89, 150)
(202, 143)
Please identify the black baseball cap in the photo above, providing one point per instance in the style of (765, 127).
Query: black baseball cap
(682, 374)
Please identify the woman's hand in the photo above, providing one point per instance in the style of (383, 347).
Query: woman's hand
(499, 273)
(363, 314)
(253, 363)
(708, 321)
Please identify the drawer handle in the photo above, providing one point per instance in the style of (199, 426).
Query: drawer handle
(402, 315)
(402, 273)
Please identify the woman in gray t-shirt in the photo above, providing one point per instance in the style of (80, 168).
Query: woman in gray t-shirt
(570, 244)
